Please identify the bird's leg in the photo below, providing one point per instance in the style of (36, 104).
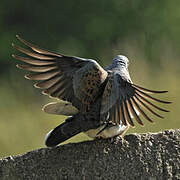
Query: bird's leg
(120, 136)
(116, 139)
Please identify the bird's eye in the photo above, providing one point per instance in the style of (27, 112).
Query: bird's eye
(121, 63)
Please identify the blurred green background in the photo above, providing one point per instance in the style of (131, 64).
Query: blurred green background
(147, 32)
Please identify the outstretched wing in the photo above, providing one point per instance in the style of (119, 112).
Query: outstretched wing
(122, 100)
(72, 79)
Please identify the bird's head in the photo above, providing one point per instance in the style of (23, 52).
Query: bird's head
(121, 61)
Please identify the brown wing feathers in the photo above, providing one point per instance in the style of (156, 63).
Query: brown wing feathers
(129, 106)
(32, 61)
(48, 83)
(150, 97)
(127, 114)
(140, 110)
(147, 107)
(43, 75)
(36, 68)
(140, 99)
(117, 111)
(148, 102)
(133, 112)
(37, 49)
(122, 116)
(33, 54)
(147, 90)
(44, 64)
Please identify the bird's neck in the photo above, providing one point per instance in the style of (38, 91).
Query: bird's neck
(121, 70)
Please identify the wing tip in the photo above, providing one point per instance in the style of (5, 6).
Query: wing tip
(148, 90)
(17, 36)
(165, 91)
(165, 110)
(137, 91)
(132, 126)
(36, 86)
(45, 92)
(20, 39)
(45, 107)
(28, 76)
(19, 66)
(169, 102)
(141, 124)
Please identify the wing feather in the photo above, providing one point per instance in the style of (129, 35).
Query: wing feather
(150, 97)
(37, 49)
(33, 61)
(32, 54)
(48, 83)
(126, 100)
(36, 68)
(141, 111)
(150, 103)
(72, 79)
(148, 108)
(43, 75)
(127, 114)
(148, 90)
(132, 110)
(122, 116)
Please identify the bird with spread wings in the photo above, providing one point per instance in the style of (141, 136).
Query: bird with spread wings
(101, 102)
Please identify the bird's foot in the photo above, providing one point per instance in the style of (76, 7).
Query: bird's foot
(117, 139)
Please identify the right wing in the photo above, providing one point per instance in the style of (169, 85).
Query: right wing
(122, 100)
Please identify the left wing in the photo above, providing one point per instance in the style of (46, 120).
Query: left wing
(122, 100)
(73, 79)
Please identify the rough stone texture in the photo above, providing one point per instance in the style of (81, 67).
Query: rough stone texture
(141, 156)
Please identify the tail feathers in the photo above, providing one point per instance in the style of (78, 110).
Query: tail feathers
(62, 132)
